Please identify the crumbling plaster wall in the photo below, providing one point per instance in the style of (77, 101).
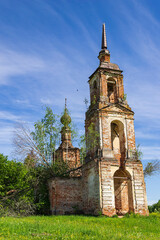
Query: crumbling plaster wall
(90, 188)
(130, 134)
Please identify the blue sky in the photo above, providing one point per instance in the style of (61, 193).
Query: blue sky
(48, 49)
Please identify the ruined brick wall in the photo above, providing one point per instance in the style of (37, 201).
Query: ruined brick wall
(131, 134)
(65, 195)
(106, 131)
(103, 86)
(69, 155)
(120, 86)
(139, 189)
(81, 193)
(96, 189)
(90, 188)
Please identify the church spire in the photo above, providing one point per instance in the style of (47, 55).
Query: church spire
(66, 130)
(104, 40)
(104, 54)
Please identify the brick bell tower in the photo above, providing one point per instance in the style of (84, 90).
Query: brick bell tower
(121, 186)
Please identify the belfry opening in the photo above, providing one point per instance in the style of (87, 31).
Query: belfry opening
(111, 88)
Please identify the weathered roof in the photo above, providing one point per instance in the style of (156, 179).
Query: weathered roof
(109, 65)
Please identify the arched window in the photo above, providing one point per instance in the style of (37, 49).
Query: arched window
(118, 140)
(115, 137)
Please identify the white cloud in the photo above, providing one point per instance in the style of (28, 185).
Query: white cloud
(5, 115)
(46, 101)
(14, 63)
(6, 133)
(145, 134)
(151, 152)
(22, 101)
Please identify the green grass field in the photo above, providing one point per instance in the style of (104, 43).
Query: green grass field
(80, 227)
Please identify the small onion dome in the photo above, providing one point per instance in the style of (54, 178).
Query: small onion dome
(65, 119)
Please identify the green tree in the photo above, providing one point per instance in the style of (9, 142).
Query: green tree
(12, 176)
(16, 188)
(155, 207)
(46, 134)
(37, 148)
(41, 142)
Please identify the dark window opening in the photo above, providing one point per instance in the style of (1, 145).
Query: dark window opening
(111, 92)
(95, 85)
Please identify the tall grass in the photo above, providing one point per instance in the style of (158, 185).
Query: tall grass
(80, 227)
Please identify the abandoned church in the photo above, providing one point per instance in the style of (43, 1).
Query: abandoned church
(111, 180)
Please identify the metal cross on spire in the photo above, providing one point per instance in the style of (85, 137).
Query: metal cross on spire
(104, 40)
(65, 103)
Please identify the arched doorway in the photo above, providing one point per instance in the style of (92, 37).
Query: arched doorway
(118, 141)
(123, 192)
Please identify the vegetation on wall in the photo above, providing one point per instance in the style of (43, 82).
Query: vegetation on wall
(92, 140)
(125, 97)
